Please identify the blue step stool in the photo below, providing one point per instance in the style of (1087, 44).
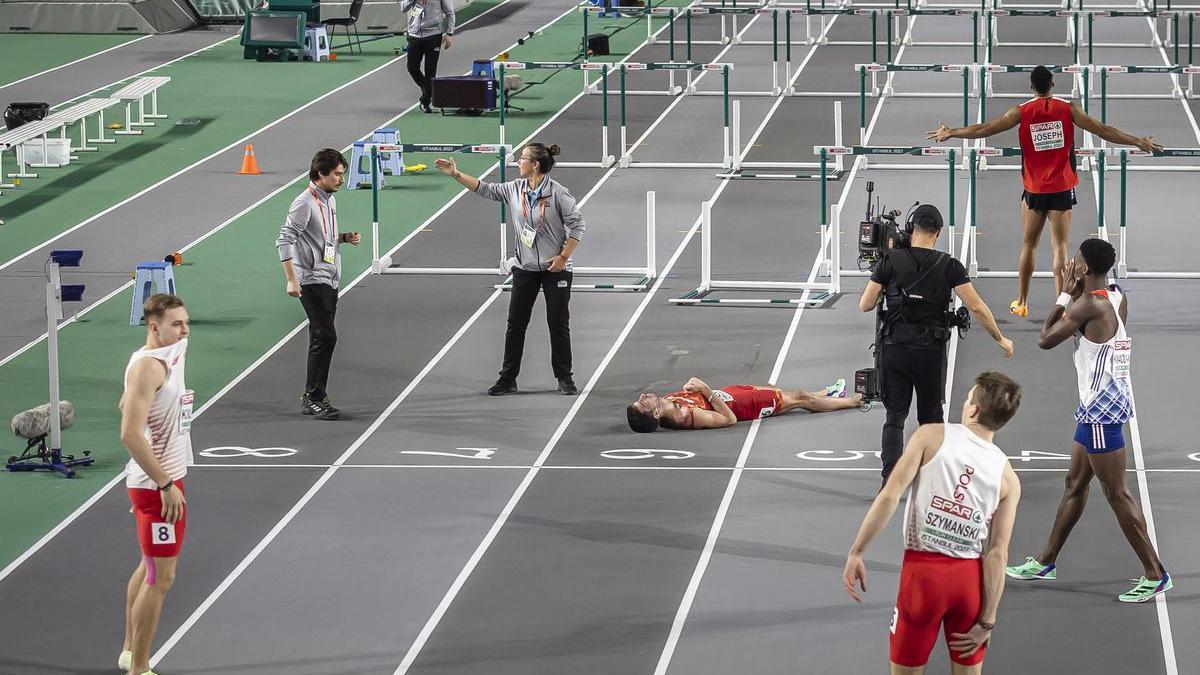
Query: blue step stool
(389, 162)
(160, 275)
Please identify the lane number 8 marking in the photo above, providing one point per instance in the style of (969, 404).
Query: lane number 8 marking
(646, 453)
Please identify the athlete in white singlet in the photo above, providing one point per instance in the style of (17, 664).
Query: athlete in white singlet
(1094, 313)
(156, 418)
(960, 513)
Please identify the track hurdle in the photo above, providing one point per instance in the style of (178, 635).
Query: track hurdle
(735, 37)
(645, 276)
(384, 264)
(1099, 157)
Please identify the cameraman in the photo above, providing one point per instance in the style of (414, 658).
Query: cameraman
(915, 328)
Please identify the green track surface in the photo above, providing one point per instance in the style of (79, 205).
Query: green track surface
(24, 55)
(234, 319)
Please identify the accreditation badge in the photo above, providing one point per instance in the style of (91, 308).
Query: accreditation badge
(526, 235)
(330, 253)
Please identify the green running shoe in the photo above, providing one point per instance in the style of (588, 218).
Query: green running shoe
(125, 661)
(1146, 589)
(837, 389)
(1031, 570)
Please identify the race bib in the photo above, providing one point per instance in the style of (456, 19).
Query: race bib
(185, 411)
(1047, 136)
(526, 235)
(1122, 351)
(895, 619)
(723, 395)
(330, 253)
(767, 412)
(162, 533)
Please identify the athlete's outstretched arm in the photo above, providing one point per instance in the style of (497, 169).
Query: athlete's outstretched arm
(925, 437)
(993, 565)
(1110, 133)
(1008, 120)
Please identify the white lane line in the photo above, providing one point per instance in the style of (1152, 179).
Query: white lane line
(245, 373)
(452, 593)
(222, 150)
(224, 224)
(582, 467)
(308, 496)
(316, 487)
(75, 62)
(710, 543)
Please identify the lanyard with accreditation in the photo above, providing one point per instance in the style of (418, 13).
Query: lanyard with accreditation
(525, 231)
(330, 255)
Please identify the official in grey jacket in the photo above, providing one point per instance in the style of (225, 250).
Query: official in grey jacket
(308, 248)
(548, 227)
(430, 29)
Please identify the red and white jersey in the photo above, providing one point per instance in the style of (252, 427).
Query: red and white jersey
(953, 497)
(1047, 136)
(168, 426)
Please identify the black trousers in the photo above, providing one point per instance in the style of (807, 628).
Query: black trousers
(556, 286)
(905, 369)
(320, 304)
(426, 49)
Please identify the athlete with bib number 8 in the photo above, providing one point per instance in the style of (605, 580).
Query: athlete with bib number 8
(156, 419)
(1047, 136)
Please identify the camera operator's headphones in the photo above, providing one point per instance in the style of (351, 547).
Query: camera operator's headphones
(923, 213)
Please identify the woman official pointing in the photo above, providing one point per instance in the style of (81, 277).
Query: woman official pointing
(548, 227)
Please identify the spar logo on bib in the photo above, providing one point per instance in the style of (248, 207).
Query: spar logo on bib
(1047, 135)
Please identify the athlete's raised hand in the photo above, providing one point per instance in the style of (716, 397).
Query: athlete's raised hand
(969, 642)
(698, 385)
(940, 134)
(1072, 280)
(855, 571)
(1147, 144)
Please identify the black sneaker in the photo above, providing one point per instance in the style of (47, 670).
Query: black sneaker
(567, 387)
(425, 108)
(502, 388)
(322, 410)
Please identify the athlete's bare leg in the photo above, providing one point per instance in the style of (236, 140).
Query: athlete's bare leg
(1032, 223)
(1110, 469)
(1074, 499)
(131, 593)
(146, 610)
(1060, 235)
(959, 669)
(815, 401)
(905, 670)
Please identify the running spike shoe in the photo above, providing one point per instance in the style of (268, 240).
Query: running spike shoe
(1031, 570)
(125, 661)
(1015, 307)
(1146, 589)
(837, 389)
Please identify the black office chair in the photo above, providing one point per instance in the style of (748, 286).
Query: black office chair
(347, 23)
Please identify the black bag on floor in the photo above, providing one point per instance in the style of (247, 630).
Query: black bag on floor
(22, 113)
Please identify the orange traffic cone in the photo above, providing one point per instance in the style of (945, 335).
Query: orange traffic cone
(249, 162)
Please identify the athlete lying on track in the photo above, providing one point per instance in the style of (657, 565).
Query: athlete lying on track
(699, 406)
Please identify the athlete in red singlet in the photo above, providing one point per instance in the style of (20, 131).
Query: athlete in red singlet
(1047, 137)
(699, 406)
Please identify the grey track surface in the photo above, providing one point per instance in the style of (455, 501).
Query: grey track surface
(588, 571)
(76, 80)
(124, 235)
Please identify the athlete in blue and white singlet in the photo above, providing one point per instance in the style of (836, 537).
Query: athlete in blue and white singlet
(1105, 395)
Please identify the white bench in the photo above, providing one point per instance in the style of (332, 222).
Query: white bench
(138, 90)
(22, 134)
(79, 113)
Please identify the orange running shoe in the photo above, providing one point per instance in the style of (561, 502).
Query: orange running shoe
(1015, 307)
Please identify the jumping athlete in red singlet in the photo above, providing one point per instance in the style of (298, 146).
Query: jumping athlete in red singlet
(1047, 137)
(699, 406)
(957, 525)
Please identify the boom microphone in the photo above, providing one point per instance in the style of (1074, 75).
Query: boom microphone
(35, 422)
